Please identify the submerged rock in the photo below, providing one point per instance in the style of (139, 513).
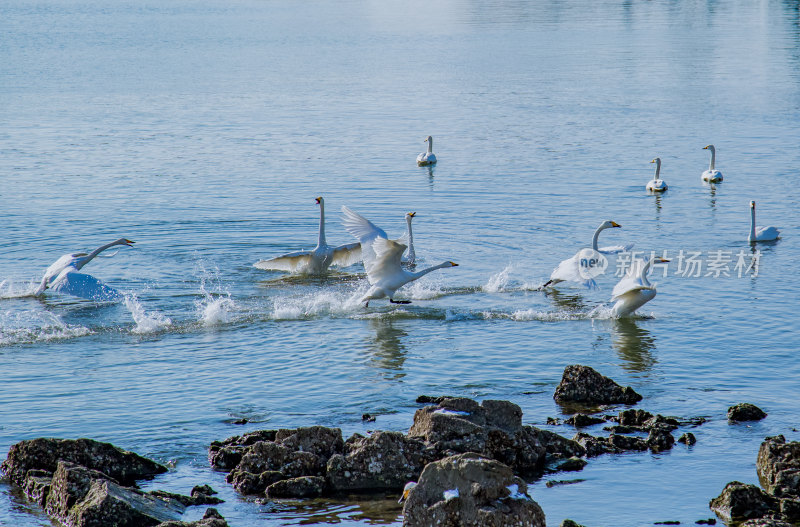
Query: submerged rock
(582, 384)
(573, 464)
(739, 502)
(108, 504)
(687, 439)
(201, 495)
(469, 490)
(212, 518)
(45, 454)
(745, 412)
(582, 420)
(570, 523)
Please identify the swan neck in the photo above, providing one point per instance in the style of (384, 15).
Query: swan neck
(713, 158)
(321, 240)
(595, 237)
(752, 223)
(89, 257)
(411, 254)
(658, 169)
(643, 272)
(431, 269)
(430, 145)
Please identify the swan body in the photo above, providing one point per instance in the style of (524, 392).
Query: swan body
(386, 275)
(711, 175)
(569, 270)
(427, 158)
(634, 290)
(760, 234)
(656, 184)
(317, 260)
(63, 276)
(366, 232)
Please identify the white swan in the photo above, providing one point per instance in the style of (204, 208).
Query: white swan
(317, 260)
(63, 276)
(634, 290)
(366, 232)
(656, 184)
(760, 234)
(569, 269)
(427, 158)
(712, 175)
(386, 275)
(407, 490)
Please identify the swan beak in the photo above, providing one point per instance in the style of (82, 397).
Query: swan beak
(412, 214)
(453, 264)
(615, 224)
(663, 260)
(318, 200)
(129, 243)
(705, 148)
(404, 497)
(653, 161)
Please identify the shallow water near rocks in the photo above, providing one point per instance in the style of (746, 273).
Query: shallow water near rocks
(204, 133)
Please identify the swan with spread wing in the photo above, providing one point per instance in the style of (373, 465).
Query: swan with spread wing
(634, 290)
(366, 232)
(386, 275)
(63, 276)
(317, 260)
(569, 270)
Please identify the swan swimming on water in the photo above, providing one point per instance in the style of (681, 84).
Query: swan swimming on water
(63, 276)
(656, 184)
(569, 269)
(760, 234)
(318, 259)
(711, 175)
(427, 158)
(366, 232)
(386, 275)
(634, 290)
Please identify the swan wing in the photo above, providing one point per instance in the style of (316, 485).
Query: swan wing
(364, 230)
(288, 262)
(568, 271)
(387, 261)
(615, 249)
(347, 254)
(84, 286)
(767, 233)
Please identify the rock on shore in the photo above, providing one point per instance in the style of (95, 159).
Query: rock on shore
(582, 384)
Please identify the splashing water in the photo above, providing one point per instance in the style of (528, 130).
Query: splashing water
(35, 326)
(499, 281)
(216, 306)
(145, 322)
(322, 302)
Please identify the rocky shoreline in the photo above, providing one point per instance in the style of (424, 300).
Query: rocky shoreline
(469, 463)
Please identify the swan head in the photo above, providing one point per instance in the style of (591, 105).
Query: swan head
(428, 139)
(752, 204)
(656, 160)
(319, 200)
(608, 224)
(124, 241)
(410, 215)
(453, 264)
(709, 147)
(406, 491)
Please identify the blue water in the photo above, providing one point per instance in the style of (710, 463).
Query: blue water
(204, 131)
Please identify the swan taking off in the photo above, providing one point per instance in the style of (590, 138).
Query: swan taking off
(712, 175)
(386, 275)
(760, 234)
(656, 184)
(427, 158)
(569, 270)
(317, 260)
(366, 232)
(634, 290)
(63, 276)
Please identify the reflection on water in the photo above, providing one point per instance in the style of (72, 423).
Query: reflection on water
(368, 508)
(386, 347)
(634, 344)
(571, 303)
(713, 201)
(657, 196)
(429, 170)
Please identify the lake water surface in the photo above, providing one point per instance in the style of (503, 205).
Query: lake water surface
(204, 131)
